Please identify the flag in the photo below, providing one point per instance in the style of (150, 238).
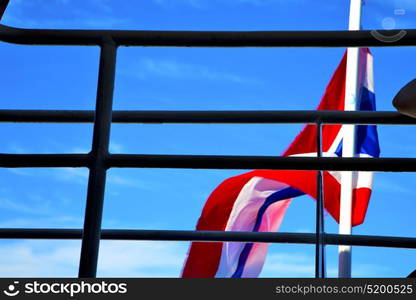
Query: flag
(257, 201)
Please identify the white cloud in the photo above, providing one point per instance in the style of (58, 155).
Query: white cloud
(79, 150)
(37, 258)
(93, 14)
(170, 3)
(116, 147)
(16, 148)
(304, 230)
(78, 175)
(302, 265)
(149, 67)
(405, 4)
(289, 265)
(368, 270)
(205, 3)
(61, 221)
(116, 179)
(141, 259)
(390, 7)
(19, 171)
(117, 259)
(116, 182)
(38, 208)
(383, 184)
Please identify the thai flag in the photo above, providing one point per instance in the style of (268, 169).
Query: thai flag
(257, 201)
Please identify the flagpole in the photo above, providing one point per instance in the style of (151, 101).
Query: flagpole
(348, 145)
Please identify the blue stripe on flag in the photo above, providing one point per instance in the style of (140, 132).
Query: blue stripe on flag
(367, 137)
(286, 193)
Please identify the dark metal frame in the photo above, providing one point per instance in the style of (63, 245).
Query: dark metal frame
(99, 160)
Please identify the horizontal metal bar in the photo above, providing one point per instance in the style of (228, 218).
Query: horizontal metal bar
(262, 162)
(212, 162)
(213, 236)
(44, 160)
(219, 117)
(362, 38)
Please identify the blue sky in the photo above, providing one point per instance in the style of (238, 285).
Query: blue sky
(186, 79)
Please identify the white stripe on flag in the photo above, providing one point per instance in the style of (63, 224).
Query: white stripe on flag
(243, 217)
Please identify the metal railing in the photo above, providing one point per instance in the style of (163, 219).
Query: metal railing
(99, 160)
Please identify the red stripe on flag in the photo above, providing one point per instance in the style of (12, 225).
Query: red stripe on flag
(333, 99)
(204, 258)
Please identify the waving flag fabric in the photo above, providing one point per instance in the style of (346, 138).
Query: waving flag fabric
(257, 201)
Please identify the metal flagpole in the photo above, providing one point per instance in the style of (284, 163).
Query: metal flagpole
(348, 145)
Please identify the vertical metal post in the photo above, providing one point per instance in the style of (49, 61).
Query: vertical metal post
(99, 153)
(320, 243)
(348, 143)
